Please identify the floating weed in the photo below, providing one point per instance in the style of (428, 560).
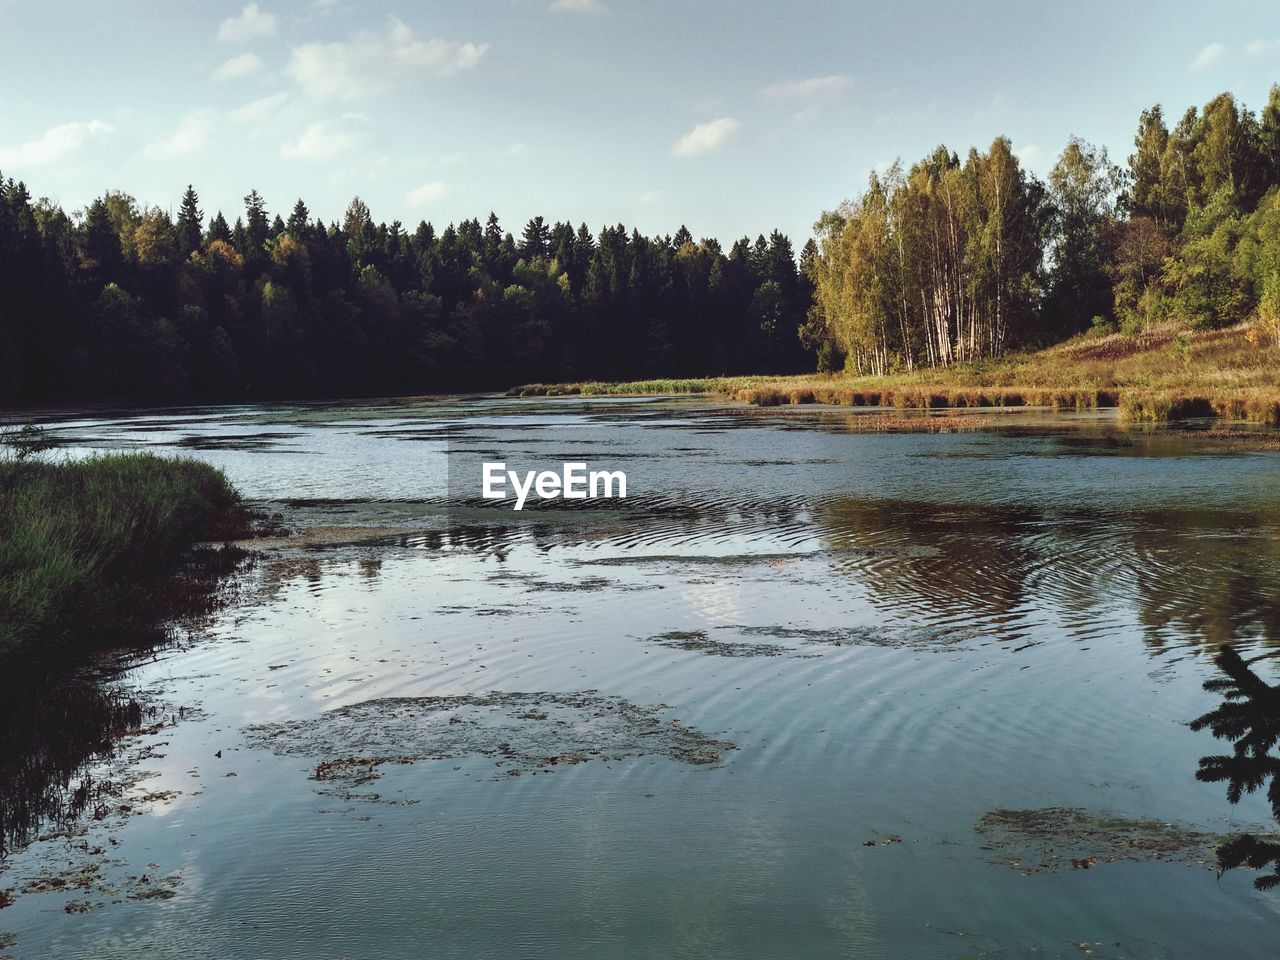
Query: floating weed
(525, 732)
(698, 641)
(897, 636)
(1049, 839)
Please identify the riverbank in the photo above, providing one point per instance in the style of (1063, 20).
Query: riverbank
(97, 551)
(1157, 376)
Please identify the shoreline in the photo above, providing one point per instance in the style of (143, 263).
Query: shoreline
(1155, 377)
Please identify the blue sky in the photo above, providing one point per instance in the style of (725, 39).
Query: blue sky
(731, 117)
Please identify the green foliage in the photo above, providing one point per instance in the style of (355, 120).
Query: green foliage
(82, 543)
(948, 262)
(134, 306)
(936, 266)
(955, 262)
(1101, 326)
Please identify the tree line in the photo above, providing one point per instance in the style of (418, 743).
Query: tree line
(944, 262)
(951, 261)
(122, 303)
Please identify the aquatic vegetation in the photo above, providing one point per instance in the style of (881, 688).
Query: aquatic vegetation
(585, 585)
(1052, 838)
(1250, 716)
(698, 641)
(72, 774)
(524, 732)
(90, 879)
(88, 549)
(883, 635)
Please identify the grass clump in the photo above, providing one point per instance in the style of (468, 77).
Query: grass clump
(88, 548)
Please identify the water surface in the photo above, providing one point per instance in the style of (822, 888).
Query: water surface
(758, 709)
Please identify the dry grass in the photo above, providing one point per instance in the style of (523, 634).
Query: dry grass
(1156, 376)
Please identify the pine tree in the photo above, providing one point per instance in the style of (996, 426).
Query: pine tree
(190, 224)
(218, 229)
(257, 227)
(493, 246)
(356, 218)
(102, 256)
(299, 225)
(534, 240)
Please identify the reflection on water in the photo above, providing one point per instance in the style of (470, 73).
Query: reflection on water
(836, 683)
(49, 732)
(1191, 576)
(1249, 715)
(60, 718)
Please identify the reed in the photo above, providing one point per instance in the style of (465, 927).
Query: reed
(86, 547)
(1218, 373)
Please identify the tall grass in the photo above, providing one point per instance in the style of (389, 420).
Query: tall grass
(1158, 375)
(86, 546)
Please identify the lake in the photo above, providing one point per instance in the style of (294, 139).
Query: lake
(808, 691)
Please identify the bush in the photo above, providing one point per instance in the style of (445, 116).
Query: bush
(1101, 326)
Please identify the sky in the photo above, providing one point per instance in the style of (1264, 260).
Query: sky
(732, 118)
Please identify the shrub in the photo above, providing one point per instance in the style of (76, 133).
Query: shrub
(1101, 326)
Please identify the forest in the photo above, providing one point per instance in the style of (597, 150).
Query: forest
(137, 305)
(938, 264)
(952, 261)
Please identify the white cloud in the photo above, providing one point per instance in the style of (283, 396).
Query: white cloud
(1207, 57)
(252, 22)
(256, 111)
(1262, 48)
(319, 142)
(705, 137)
(425, 194)
(190, 136)
(807, 90)
(519, 149)
(245, 65)
(56, 144)
(372, 61)
(1029, 155)
(807, 95)
(650, 197)
(577, 6)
